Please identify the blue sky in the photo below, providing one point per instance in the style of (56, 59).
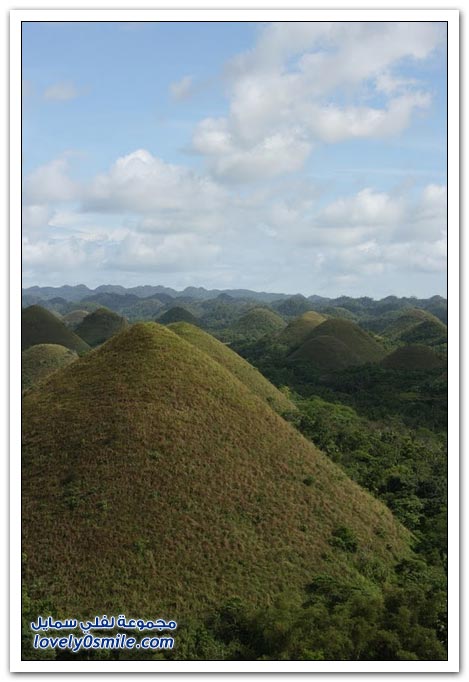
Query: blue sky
(289, 157)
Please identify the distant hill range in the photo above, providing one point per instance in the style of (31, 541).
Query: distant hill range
(80, 291)
(286, 305)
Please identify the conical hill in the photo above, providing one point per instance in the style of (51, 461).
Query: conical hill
(338, 343)
(156, 484)
(39, 325)
(240, 368)
(99, 326)
(299, 329)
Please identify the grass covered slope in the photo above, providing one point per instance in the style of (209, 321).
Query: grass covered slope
(338, 343)
(74, 317)
(39, 326)
(235, 364)
(156, 483)
(177, 314)
(257, 322)
(99, 326)
(37, 362)
(299, 329)
(408, 320)
(414, 357)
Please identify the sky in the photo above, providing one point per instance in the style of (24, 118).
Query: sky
(288, 157)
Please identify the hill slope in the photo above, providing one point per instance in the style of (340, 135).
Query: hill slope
(413, 357)
(39, 325)
(177, 314)
(408, 320)
(74, 317)
(37, 362)
(299, 329)
(235, 364)
(257, 322)
(99, 326)
(146, 453)
(338, 343)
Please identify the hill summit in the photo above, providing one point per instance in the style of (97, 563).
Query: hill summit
(39, 325)
(299, 329)
(257, 322)
(177, 314)
(338, 343)
(99, 326)
(155, 483)
(235, 364)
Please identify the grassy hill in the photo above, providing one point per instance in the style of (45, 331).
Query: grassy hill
(257, 322)
(99, 326)
(155, 483)
(299, 329)
(235, 364)
(428, 332)
(177, 314)
(73, 318)
(37, 362)
(413, 357)
(39, 325)
(408, 320)
(338, 343)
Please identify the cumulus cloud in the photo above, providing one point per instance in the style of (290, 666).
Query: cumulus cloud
(50, 183)
(61, 92)
(35, 217)
(141, 182)
(169, 253)
(306, 83)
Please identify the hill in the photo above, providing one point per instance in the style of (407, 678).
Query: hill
(157, 484)
(73, 318)
(39, 325)
(293, 306)
(257, 322)
(177, 314)
(428, 332)
(299, 329)
(407, 320)
(99, 326)
(338, 343)
(37, 362)
(235, 364)
(413, 357)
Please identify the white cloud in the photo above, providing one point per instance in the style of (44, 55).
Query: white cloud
(366, 208)
(334, 124)
(305, 83)
(61, 92)
(50, 183)
(35, 217)
(182, 89)
(170, 253)
(142, 183)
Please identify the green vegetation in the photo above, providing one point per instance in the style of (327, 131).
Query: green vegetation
(299, 329)
(99, 326)
(37, 362)
(317, 533)
(177, 314)
(256, 323)
(73, 318)
(39, 326)
(415, 357)
(231, 361)
(338, 343)
(223, 508)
